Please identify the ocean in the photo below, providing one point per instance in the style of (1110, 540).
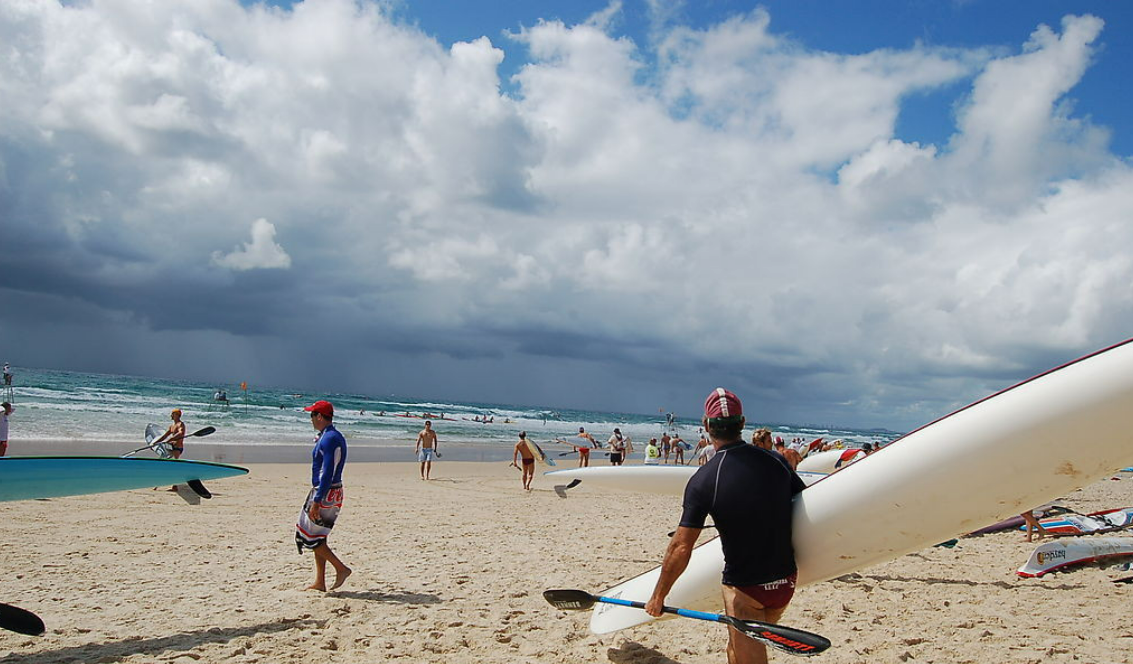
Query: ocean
(111, 412)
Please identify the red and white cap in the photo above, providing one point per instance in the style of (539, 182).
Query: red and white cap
(322, 408)
(722, 403)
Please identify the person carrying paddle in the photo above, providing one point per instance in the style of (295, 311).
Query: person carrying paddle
(522, 449)
(748, 491)
(324, 501)
(175, 436)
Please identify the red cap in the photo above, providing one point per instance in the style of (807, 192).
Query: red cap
(722, 403)
(322, 408)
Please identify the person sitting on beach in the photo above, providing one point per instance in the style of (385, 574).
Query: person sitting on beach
(324, 501)
(522, 449)
(652, 453)
(426, 449)
(749, 493)
(678, 449)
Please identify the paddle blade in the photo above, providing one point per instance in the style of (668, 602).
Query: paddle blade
(20, 620)
(199, 489)
(203, 432)
(569, 600)
(780, 637)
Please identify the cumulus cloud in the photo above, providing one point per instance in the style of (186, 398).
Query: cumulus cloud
(262, 253)
(719, 204)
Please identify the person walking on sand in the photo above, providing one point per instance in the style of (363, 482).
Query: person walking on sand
(678, 444)
(749, 493)
(175, 436)
(1033, 525)
(5, 410)
(324, 501)
(586, 443)
(522, 449)
(426, 449)
(617, 447)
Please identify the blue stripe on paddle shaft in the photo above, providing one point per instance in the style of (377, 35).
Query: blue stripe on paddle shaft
(31, 477)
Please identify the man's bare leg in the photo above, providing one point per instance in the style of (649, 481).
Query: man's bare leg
(320, 569)
(743, 649)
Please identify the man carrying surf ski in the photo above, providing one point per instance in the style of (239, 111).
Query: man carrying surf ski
(748, 491)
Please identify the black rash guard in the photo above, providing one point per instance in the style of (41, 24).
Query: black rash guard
(749, 493)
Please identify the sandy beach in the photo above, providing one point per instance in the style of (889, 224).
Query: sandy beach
(452, 570)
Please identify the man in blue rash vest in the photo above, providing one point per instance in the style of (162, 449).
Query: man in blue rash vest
(749, 493)
(324, 501)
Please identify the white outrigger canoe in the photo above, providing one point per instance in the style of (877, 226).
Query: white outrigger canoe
(1004, 454)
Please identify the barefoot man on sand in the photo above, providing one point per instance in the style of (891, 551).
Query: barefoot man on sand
(749, 493)
(324, 502)
(426, 449)
(524, 452)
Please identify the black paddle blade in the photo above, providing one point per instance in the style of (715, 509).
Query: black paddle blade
(20, 620)
(203, 432)
(787, 639)
(569, 600)
(199, 488)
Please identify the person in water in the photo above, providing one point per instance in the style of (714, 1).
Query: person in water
(324, 500)
(749, 493)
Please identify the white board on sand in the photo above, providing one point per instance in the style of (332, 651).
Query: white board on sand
(665, 480)
(1078, 551)
(1022, 447)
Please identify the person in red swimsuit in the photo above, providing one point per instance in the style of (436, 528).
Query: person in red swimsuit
(749, 492)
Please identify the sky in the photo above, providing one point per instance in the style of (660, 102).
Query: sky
(864, 214)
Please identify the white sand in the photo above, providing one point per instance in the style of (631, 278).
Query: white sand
(452, 570)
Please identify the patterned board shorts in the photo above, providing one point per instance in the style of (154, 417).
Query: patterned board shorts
(313, 534)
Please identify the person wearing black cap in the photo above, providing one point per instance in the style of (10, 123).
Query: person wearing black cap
(324, 502)
(749, 493)
(618, 447)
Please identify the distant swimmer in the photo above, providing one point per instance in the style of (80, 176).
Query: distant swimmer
(523, 450)
(324, 501)
(426, 449)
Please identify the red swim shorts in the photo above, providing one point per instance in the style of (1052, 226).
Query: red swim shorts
(773, 595)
